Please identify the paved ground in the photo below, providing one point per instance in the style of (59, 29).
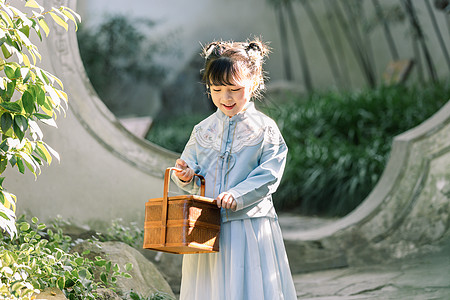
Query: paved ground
(420, 278)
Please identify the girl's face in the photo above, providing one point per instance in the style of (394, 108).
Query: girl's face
(230, 99)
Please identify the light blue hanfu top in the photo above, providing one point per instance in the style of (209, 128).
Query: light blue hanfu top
(244, 155)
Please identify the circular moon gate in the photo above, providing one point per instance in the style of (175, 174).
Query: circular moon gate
(107, 172)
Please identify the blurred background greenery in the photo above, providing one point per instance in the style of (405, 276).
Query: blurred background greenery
(339, 137)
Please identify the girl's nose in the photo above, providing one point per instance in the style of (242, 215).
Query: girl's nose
(228, 96)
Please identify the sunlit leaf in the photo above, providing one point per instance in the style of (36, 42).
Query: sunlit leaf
(44, 26)
(53, 152)
(59, 20)
(6, 52)
(34, 4)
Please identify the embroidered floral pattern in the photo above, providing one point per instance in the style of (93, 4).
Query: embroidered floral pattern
(207, 137)
(247, 133)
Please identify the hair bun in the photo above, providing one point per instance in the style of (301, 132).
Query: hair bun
(256, 49)
(215, 48)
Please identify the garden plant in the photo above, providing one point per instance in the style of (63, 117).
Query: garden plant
(339, 142)
(29, 95)
(32, 256)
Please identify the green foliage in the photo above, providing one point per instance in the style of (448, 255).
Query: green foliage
(339, 143)
(154, 296)
(38, 258)
(29, 95)
(174, 133)
(131, 234)
(116, 55)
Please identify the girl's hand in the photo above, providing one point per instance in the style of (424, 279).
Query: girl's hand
(226, 200)
(185, 173)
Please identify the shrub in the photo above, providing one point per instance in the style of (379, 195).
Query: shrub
(339, 143)
(38, 258)
(173, 134)
(29, 95)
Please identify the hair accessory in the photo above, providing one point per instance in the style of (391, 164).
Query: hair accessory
(254, 46)
(214, 47)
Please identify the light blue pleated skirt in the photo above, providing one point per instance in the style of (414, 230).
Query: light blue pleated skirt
(251, 264)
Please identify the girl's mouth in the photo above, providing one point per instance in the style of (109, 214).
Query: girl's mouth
(229, 107)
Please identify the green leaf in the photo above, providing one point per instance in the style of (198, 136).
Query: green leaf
(104, 277)
(6, 53)
(6, 121)
(129, 267)
(100, 263)
(60, 283)
(108, 266)
(34, 220)
(25, 30)
(3, 164)
(42, 116)
(28, 102)
(20, 165)
(10, 88)
(11, 106)
(21, 122)
(79, 261)
(116, 268)
(9, 72)
(40, 96)
(24, 226)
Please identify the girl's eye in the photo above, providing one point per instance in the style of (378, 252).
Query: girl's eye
(235, 90)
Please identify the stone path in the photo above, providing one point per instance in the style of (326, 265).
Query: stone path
(426, 276)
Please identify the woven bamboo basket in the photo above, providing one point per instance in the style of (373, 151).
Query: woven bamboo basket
(182, 224)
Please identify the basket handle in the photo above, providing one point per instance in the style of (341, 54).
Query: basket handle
(165, 202)
(167, 180)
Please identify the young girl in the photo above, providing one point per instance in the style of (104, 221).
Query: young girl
(242, 155)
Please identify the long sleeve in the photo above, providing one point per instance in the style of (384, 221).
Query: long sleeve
(190, 157)
(263, 180)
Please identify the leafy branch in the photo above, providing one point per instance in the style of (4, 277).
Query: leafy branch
(29, 95)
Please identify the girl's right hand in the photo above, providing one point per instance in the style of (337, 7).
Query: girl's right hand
(184, 173)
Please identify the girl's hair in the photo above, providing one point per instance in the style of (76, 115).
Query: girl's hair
(229, 63)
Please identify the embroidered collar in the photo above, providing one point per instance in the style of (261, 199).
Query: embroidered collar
(249, 108)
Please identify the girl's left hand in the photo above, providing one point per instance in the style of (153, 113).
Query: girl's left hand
(226, 200)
